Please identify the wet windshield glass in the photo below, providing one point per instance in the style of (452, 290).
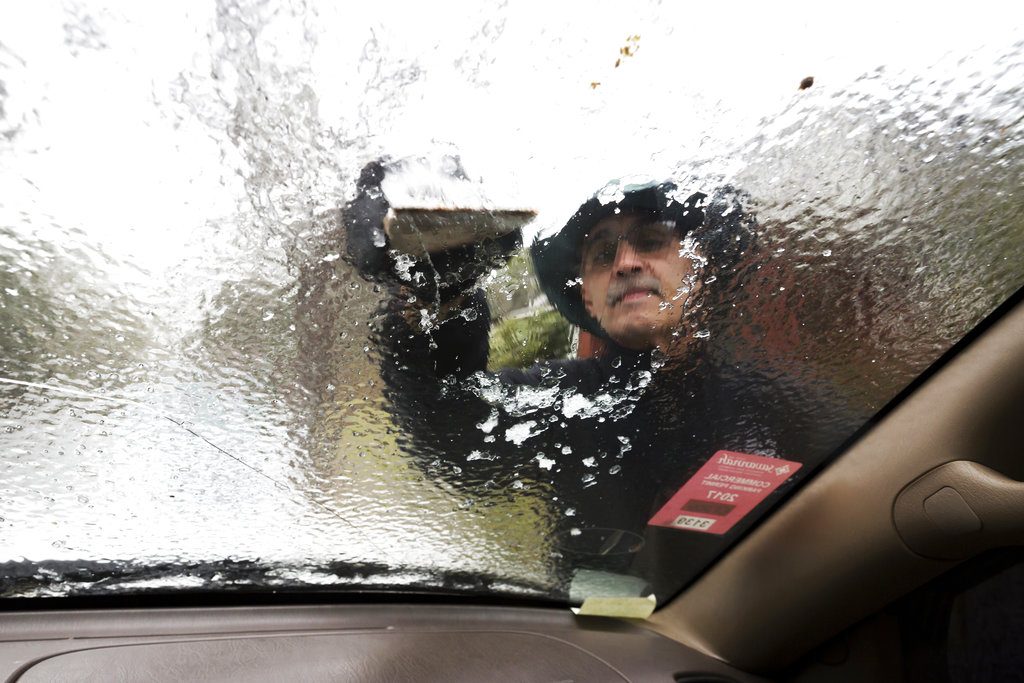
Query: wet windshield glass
(548, 301)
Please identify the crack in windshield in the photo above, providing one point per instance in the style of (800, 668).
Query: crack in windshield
(279, 485)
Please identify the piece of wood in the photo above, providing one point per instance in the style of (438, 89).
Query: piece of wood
(420, 230)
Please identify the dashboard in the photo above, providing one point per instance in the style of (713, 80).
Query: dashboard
(362, 642)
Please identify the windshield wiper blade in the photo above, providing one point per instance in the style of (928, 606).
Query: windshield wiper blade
(88, 578)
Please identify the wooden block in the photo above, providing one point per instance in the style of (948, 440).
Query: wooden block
(416, 230)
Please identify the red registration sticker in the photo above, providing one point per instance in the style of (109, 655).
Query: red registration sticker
(723, 491)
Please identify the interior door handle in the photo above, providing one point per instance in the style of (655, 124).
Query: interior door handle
(959, 509)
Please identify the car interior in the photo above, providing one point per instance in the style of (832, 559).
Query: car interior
(232, 445)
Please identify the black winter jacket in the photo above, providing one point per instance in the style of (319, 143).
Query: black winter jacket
(603, 442)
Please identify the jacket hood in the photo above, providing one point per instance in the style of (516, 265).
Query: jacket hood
(557, 258)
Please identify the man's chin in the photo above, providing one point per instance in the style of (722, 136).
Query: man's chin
(636, 336)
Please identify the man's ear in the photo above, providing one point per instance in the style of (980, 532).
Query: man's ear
(588, 304)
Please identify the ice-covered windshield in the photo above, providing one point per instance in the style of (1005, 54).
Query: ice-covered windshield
(535, 299)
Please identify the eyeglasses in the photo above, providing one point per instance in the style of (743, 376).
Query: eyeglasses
(649, 237)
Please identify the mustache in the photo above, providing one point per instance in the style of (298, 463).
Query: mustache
(619, 288)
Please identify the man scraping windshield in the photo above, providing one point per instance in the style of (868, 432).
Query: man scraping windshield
(604, 441)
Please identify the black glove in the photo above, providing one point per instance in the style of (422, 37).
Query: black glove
(363, 218)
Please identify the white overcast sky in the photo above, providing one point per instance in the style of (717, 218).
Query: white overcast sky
(99, 146)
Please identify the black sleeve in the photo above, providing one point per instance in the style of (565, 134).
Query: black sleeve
(454, 416)
(432, 340)
(416, 346)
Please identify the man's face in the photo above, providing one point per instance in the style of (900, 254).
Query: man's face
(635, 279)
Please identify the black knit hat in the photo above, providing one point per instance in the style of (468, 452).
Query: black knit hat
(557, 258)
